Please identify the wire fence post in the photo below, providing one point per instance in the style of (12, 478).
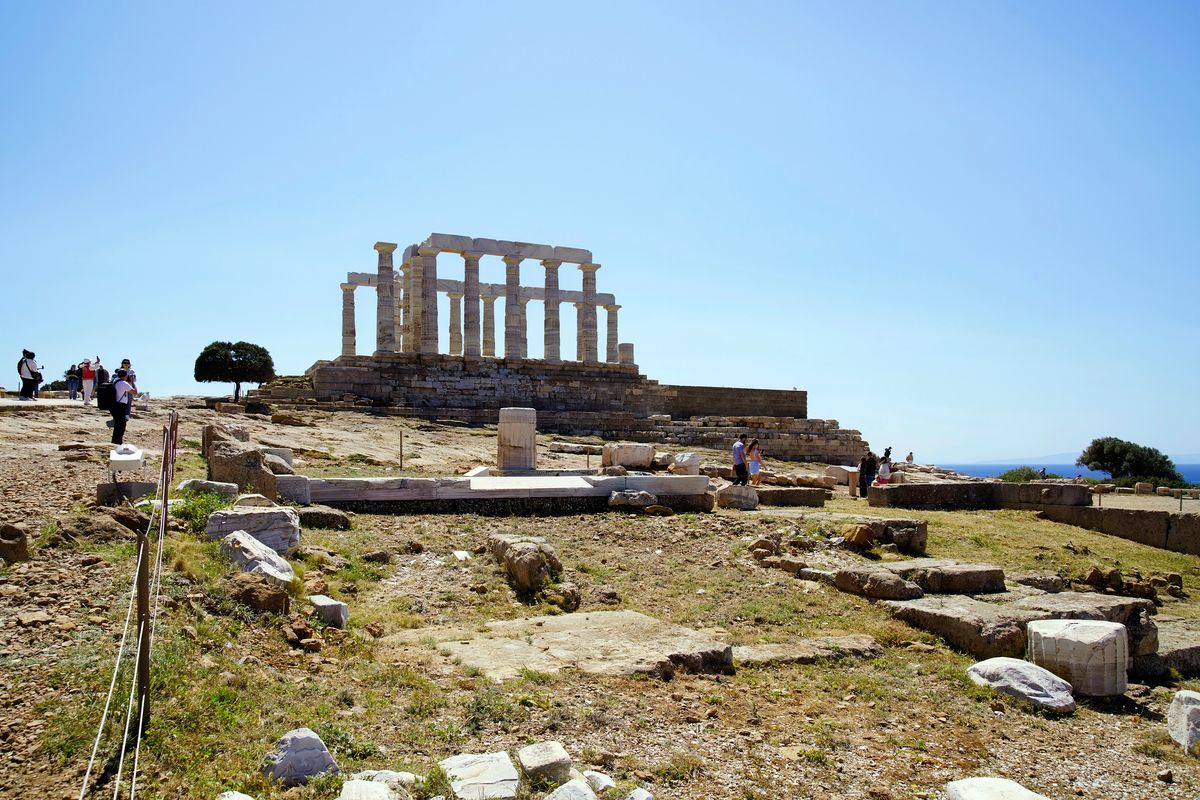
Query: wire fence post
(143, 628)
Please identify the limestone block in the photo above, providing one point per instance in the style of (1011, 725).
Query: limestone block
(277, 528)
(545, 761)
(234, 462)
(293, 488)
(256, 500)
(573, 255)
(1183, 719)
(1163, 491)
(298, 755)
(14, 542)
(476, 776)
(1091, 655)
(945, 576)
(872, 581)
(841, 473)
(231, 795)
(1021, 679)
(989, 789)
(685, 464)
(281, 452)
(632, 499)
(741, 497)
(448, 242)
(226, 490)
(251, 555)
(639, 794)
(599, 782)
(574, 789)
(1141, 487)
(630, 456)
(355, 789)
(528, 560)
(516, 439)
(333, 613)
(277, 465)
(399, 781)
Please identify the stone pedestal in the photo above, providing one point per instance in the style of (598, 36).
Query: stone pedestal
(516, 439)
(1091, 655)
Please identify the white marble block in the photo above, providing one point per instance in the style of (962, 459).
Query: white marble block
(516, 439)
(477, 776)
(1091, 655)
(989, 789)
(253, 556)
(1183, 719)
(333, 613)
(278, 528)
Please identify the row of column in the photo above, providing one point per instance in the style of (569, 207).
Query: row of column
(406, 310)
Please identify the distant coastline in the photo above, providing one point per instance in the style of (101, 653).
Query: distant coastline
(1190, 472)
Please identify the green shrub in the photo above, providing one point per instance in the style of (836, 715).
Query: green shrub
(1025, 474)
(195, 508)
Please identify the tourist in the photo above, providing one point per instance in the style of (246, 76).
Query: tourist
(866, 473)
(754, 457)
(885, 471)
(740, 475)
(87, 379)
(131, 379)
(909, 458)
(73, 381)
(123, 394)
(30, 374)
(102, 375)
(1042, 473)
(887, 453)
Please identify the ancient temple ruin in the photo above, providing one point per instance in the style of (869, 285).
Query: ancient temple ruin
(587, 395)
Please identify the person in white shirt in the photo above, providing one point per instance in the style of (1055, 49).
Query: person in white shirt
(30, 374)
(120, 410)
(131, 378)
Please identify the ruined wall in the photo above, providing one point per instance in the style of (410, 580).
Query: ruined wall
(614, 401)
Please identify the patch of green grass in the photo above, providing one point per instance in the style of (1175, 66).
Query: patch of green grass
(490, 706)
(679, 767)
(535, 677)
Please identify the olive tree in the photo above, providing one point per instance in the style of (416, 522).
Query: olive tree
(235, 363)
(1122, 459)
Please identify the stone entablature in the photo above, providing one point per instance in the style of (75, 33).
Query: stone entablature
(407, 308)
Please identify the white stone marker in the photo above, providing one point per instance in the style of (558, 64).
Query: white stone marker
(516, 439)
(477, 776)
(547, 761)
(1091, 655)
(989, 789)
(1183, 719)
(333, 613)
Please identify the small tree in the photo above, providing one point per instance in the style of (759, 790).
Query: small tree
(234, 363)
(1122, 459)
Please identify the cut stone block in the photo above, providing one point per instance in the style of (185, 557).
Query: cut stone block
(299, 755)
(1092, 656)
(253, 556)
(985, 630)
(989, 789)
(943, 576)
(598, 642)
(573, 790)
(366, 790)
(1183, 719)
(516, 439)
(630, 456)
(742, 497)
(685, 464)
(808, 651)
(478, 776)
(252, 500)
(632, 499)
(1029, 682)
(1132, 612)
(875, 582)
(293, 488)
(333, 613)
(545, 761)
(277, 528)
(599, 782)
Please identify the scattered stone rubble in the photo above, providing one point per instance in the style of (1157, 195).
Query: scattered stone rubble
(298, 756)
(531, 563)
(277, 527)
(1026, 681)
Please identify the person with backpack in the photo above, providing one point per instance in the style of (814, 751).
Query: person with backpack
(30, 374)
(121, 403)
(87, 380)
(73, 381)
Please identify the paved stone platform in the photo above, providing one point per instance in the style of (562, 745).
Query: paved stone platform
(600, 642)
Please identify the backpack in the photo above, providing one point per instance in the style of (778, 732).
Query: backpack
(106, 396)
(101, 375)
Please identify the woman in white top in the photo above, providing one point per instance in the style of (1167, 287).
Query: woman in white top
(885, 471)
(31, 375)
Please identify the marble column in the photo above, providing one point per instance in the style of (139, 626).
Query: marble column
(413, 304)
(385, 336)
(522, 307)
(512, 311)
(579, 349)
(489, 326)
(456, 336)
(471, 311)
(552, 337)
(349, 346)
(429, 304)
(590, 349)
(403, 341)
(610, 351)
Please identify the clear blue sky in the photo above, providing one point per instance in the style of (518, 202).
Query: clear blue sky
(967, 229)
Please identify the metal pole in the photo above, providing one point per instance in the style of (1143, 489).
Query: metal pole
(401, 449)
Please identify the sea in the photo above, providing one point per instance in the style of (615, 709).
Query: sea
(1190, 472)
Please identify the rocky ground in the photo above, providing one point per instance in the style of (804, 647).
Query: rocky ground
(228, 684)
